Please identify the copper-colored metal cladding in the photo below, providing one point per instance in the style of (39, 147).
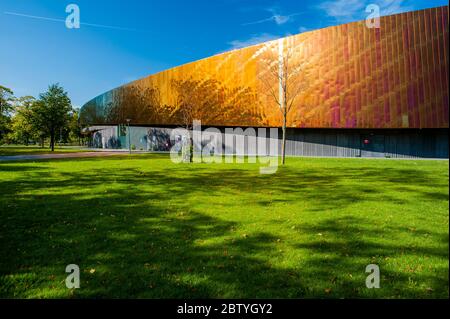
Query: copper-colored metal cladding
(394, 76)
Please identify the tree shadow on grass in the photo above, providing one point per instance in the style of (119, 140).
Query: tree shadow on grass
(138, 251)
(324, 187)
(341, 248)
(141, 237)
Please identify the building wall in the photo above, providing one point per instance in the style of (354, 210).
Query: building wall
(381, 143)
(355, 77)
(104, 137)
(411, 143)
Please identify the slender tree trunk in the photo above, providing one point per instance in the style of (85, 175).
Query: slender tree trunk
(191, 150)
(187, 149)
(52, 140)
(283, 143)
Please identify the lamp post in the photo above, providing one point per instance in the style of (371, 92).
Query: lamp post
(129, 136)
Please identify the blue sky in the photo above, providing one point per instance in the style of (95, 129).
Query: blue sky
(120, 41)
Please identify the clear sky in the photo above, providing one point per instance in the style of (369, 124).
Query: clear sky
(120, 41)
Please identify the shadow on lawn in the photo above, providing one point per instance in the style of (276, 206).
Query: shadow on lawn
(347, 245)
(151, 243)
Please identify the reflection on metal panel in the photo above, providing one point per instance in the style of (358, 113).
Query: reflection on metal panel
(391, 77)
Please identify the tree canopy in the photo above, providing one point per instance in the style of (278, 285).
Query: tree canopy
(50, 113)
(22, 128)
(6, 106)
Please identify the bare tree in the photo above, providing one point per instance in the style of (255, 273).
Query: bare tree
(187, 109)
(283, 78)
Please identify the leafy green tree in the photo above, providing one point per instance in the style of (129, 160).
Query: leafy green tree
(22, 128)
(6, 100)
(75, 126)
(6, 106)
(50, 114)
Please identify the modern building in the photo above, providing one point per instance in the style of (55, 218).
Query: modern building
(360, 91)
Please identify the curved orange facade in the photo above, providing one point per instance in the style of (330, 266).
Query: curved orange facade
(394, 76)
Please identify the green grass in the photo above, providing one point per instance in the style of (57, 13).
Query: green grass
(144, 227)
(10, 150)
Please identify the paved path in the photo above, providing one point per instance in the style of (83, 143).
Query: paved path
(103, 153)
(58, 155)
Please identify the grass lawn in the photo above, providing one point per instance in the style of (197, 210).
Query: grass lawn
(144, 227)
(9, 150)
